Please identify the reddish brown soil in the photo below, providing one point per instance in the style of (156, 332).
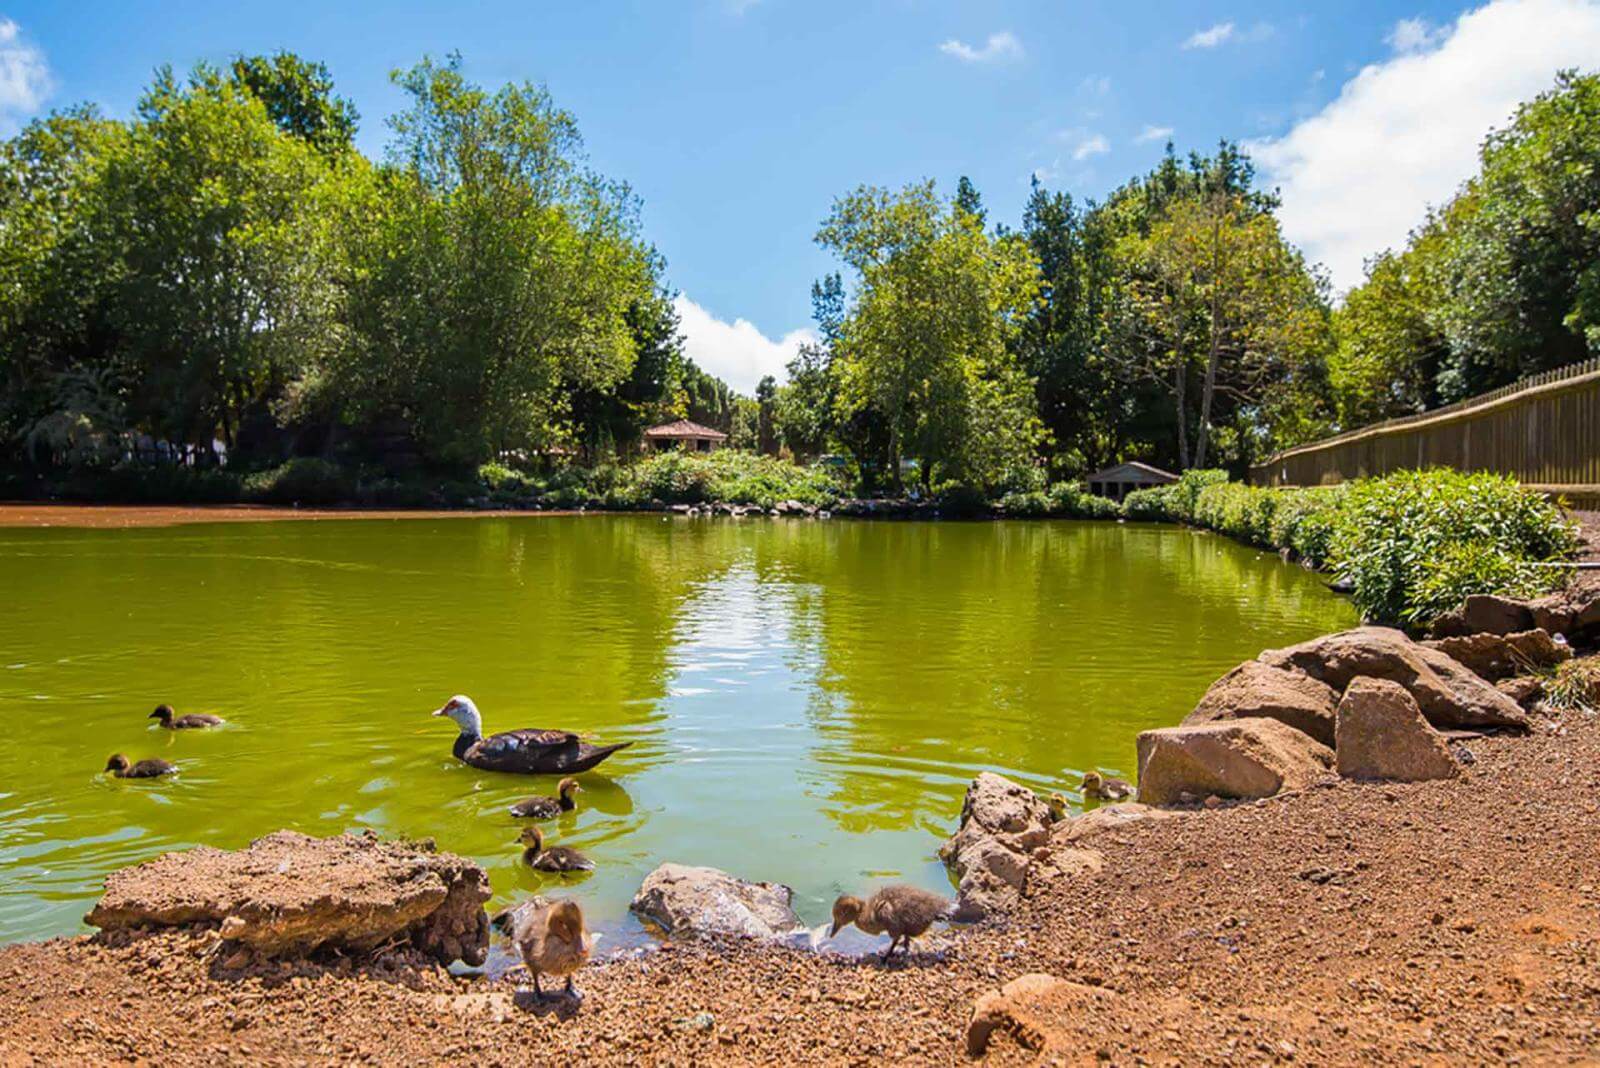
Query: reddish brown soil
(1450, 922)
(26, 514)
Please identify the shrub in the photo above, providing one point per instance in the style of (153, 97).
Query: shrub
(1574, 686)
(694, 478)
(1237, 510)
(960, 500)
(1071, 500)
(1152, 505)
(1026, 505)
(303, 480)
(1461, 568)
(1304, 521)
(499, 477)
(1183, 493)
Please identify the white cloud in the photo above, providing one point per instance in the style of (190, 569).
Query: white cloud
(1002, 45)
(1415, 35)
(24, 78)
(1153, 133)
(1403, 134)
(1210, 37)
(737, 352)
(1093, 145)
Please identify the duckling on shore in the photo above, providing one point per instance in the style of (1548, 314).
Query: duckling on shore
(1105, 788)
(548, 808)
(902, 912)
(1058, 808)
(193, 721)
(551, 937)
(153, 768)
(555, 859)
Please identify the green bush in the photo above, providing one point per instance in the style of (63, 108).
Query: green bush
(1152, 505)
(960, 500)
(1237, 510)
(1064, 500)
(1304, 520)
(1467, 567)
(695, 478)
(1184, 493)
(303, 480)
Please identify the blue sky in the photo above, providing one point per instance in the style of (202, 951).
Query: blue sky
(738, 121)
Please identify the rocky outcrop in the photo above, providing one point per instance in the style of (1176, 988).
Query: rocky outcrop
(1255, 690)
(1382, 735)
(289, 894)
(685, 900)
(1449, 694)
(1484, 613)
(1573, 611)
(1525, 690)
(1242, 758)
(1097, 821)
(1041, 1014)
(1500, 656)
(1002, 823)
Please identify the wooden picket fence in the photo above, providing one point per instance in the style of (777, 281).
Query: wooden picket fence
(1544, 430)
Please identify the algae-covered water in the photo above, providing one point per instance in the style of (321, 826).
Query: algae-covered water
(807, 699)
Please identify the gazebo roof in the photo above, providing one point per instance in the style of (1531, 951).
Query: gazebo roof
(683, 428)
(1132, 471)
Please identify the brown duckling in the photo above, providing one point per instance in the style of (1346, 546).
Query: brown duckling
(153, 768)
(551, 937)
(1105, 788)
(548, 808)
(556, 858)
(192, 721)
(1059, 809)
(903, 912)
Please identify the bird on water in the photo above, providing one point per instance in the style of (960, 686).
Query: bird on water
(192, 721)
(120, 766)
(530, 751)
(548, 808)
(1106, 788)
(558, 859)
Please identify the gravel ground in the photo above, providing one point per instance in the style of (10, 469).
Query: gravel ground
(1448, 922)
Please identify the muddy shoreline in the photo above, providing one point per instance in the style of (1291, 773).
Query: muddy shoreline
(128, 516)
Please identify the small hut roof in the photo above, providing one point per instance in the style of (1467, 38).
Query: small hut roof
(683, 428)
(1132, 471)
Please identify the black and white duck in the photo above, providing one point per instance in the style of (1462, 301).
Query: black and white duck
(548, 808)
(153, 768)
(192, 721)
(558, 859)
(529, 751)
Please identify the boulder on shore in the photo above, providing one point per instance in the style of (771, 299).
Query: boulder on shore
(1042, 1014)
(1097, 821)
(1254, 690)
(1383, 735)
(1002, 823)
(1484, 613)
(1241, 758)
(1449, 694)
(289, 894)
(1500, 656)
(686, 900)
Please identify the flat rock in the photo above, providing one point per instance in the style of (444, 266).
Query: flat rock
(1097, 821)
(1383, 735)
(1449, 693)
(1256, 690)
(1241, 758)
(289, 894)
(687, 900)
(1042, 1014)
(1484, 613)
(1002, 823)
(1500, 656)
(1525, 690)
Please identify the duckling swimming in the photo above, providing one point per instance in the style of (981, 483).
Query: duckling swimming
(1105, 788)
(153, 768)
(548, 808)
(192, 721)
(1058, 808)
(556, 859)
(550, 936)
(903, 912)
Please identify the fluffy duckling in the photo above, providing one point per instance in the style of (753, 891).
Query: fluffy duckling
(548, 808)
(1105, 788)
(551, 938)
(1058, 808)
(119, 766)
(556, 858)
(192, 721)
(903, 912)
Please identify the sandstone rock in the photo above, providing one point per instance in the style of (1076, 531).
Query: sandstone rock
(1525, 690)
(1573, 611)
(1499, 656)
(289, 894)
(1234, 758)
(1002, 823)
(1042, 1014)
(1484, 613)
(1254, 690)
(1097, 821)
(1383, 735)
(1449, 694)
(685, 900)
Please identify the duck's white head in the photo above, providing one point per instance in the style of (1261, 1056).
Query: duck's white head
(461, 709)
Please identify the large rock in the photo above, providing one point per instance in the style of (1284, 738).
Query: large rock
(1573, 611)
(1449, 694)
(1002, 823)
(685, 900)
(1098, 821)
(1383, 735)
(1484, 613)
(1254, 690)
(289, 894)
(1045, 1016)
(1500, 656)
(1239, 758)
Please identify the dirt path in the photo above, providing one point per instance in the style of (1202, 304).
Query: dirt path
(111, 516)
(1448, 922)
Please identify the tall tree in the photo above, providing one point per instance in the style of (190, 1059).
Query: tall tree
(298, 95)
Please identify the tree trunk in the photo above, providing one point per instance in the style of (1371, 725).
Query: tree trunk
(1180, 388)
(1212, 357)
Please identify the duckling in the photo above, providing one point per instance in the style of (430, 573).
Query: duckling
(904, 912)
(1105, 788)
(119, 766)
(551, 938)
(556, 859)
(1058, 808)
(548, 808)
(192, 721)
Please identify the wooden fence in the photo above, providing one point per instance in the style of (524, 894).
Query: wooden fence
(1544, 430)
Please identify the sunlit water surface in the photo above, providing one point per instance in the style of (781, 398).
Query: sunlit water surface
(807, 700)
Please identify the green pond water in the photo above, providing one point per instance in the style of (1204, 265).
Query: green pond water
(807, 700)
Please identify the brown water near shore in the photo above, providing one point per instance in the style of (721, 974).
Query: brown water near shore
(115, 516)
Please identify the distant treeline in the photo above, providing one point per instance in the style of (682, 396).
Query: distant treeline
(226, 265)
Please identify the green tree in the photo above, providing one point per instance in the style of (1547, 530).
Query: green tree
(298, 95)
